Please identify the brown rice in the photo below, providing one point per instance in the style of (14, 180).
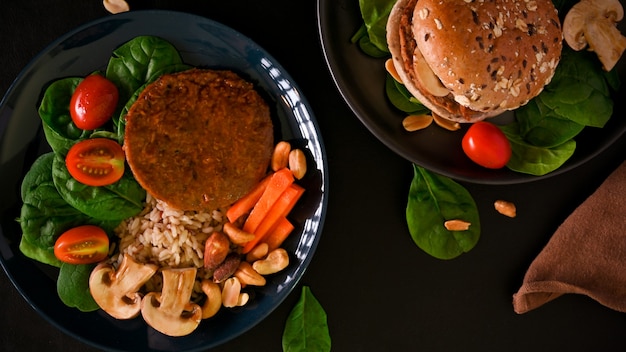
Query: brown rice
(167, 237)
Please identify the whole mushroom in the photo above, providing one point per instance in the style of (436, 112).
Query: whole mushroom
(171, 311)
(593, 23)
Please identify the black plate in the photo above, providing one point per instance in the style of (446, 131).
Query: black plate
(360, 80)
(202, 42)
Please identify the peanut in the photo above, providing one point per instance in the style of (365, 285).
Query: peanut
(297, 163)
(445, 123)
(275, 261)
(230, 292)
(237, 235)
(505, 208)
(213, 299)
(456, 225)
(248, 276)
(413, 123)
(280, 156)
(243, 299)
(216, 249)
(391, 69)
(259, 251)
(115, 6)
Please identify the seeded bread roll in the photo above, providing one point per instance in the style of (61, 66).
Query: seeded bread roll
(491, 56)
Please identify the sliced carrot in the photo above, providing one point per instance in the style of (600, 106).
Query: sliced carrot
(279, 182)
(247, 202)
(278, 233)
(279, 210)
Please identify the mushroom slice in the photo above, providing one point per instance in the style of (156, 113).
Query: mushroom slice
(426, 76)
(593, 23)
(116, 291)
(171, 312)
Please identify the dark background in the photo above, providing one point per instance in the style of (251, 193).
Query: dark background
(380, 291)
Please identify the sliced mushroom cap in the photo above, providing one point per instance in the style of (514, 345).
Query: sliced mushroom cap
(593, 23)
(426, 76)
(171, 312)
(116, 291)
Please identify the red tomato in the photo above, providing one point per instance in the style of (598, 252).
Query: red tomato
(93, 102)
(82, 245)
(96, 161)
(487, 145)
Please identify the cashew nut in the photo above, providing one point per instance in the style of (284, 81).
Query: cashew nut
(213, 301)
(275, 261)
(237, 235)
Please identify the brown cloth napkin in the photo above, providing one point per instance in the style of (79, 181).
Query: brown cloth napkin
(586, 255)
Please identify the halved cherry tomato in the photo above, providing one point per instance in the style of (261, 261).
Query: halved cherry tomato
(93, 102)
(82, 245)
(96, 161)
(487, 145)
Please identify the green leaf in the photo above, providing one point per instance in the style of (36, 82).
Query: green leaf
(45, 215)
(138, 61)
(119, 120)
(543, 127)
(400, 97)
(375, 15)
(73, 287)
(307, 327)
(434, 199)
(534, 160)
(579, 90)
(60, 130)
(114, 202)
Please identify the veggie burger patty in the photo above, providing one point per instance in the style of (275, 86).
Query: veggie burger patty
(199, 139)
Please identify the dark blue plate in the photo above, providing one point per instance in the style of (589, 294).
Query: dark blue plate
(361, 81)
(202, 42)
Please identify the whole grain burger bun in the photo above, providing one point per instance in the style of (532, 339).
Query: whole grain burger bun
(199, 139)
(487, 56)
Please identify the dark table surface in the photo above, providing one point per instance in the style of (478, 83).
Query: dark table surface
(380, 291)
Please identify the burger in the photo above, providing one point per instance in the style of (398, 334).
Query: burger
(468, 60)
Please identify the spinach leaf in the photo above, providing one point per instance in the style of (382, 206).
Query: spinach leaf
(434, 199)
(400, 97)
(307, 327)
(60, 130)
(579, 90)
(543, 127)
(39, 173)
(120, 121)
(114, 202)
(45, 215)
(73, 287)
(375, 15)
(362, 38)
(139, 61)
(534, 160)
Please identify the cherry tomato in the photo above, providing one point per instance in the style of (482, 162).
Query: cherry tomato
(82, 245)
(487, 145)
(96, 161)
(93, 102)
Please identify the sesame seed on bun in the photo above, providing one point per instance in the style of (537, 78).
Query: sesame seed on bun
(468, 60)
